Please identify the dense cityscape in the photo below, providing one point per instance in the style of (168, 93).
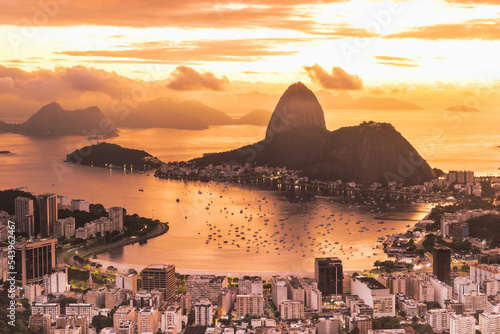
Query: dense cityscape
(440, 275)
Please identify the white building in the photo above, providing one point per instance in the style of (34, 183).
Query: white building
(291, 309)
(64, 228)
(31, 291)
(203, 313)
(81, 233)
(53, 310)
(278, 290)
(252, 305)
(462, 325)
(84, 310)
(442, 291)
(127, 282)
(172, 317)
(374, 294)
(439, 319)
(56, 281)
(489, 323)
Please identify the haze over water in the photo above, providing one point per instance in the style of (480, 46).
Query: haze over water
(32, 166)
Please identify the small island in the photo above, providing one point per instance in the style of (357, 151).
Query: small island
(461, 107)
(113, 156)
(5, 152)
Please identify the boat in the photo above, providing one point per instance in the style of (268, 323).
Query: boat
(140, 189)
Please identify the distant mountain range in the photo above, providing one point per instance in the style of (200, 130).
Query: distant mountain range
(53, 120)
(297, 138)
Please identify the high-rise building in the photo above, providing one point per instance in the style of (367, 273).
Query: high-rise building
(148, 320)
(48, 214)
(328, 326)
(25, 213)
(250, 284)
(34, 260)
(64, 228)
(374, 294)
(203, 313)
(328, 274)
(278, 290)
(295, 291)
(56, 281)
(159, 277)
(439, 319)
(116, 216)
(462, 324)
(127, 282)
(73, 321)
(442, 263)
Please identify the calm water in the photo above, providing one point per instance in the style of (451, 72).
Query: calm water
(448, 141)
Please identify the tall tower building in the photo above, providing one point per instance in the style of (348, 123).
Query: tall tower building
(34, 260)
(159, 277)
(48, 214)
(328, 274)
(442, 263)
(116, 216)
(25, 215)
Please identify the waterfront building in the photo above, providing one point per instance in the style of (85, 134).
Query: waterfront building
(159, 277)
(34, 260)
(329, 275)
(48, 214)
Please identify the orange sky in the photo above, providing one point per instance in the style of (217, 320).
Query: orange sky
(416, 50)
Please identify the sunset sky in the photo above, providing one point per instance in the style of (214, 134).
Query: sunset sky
(55, 47)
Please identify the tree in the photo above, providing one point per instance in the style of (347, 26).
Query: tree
(355, 330)
(99, 322)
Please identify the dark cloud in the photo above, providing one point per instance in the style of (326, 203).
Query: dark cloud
(187, 78)
(338, 79)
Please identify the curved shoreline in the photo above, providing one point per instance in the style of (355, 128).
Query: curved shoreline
(87, 251)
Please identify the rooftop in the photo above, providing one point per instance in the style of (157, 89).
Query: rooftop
(371, 282)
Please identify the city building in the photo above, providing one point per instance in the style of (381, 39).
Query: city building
(159, 277)
(201, 287)
(127, 282)
(474, 301)
(462, 324)
(225, 302)
(313, 297)
(40, 321)
(363, 322)
(291, 309)
(64, 228)
(34, 260)
(116, 216)
(252, 305)
(328, 273)
(328, 326)
(56, 281)
(124, 313)
(441, 265)
(53, 310)
(203, 313)
(439, 319)
(25, 213)
(374, 294)
(48, 214)
(172, 317)
(73, 321)
(295, 291)
(279, 291)
(31, 291)
(250, 285)
(489, 323)
(82, 310)
(80, 205)
(148, 320)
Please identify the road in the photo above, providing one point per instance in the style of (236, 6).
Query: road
(95, 249)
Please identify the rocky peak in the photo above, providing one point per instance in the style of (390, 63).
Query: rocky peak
(297, 107)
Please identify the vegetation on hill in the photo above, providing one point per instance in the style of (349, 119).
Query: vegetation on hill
(486, 227)
(105, 154)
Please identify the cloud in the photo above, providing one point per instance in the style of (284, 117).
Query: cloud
(250, 14)
(393, 63)
(338, 79)
(396, 61)
(187, 78)
(48, 85)
(480, 29)
(237, 50)
(475, 2)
